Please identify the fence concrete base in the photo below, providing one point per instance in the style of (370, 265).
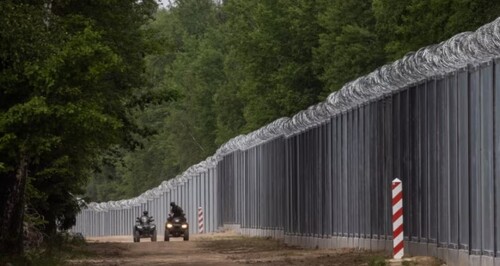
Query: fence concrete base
(463, 257)
(364, 243)
(411, 248)
(343, 242)
(432, 250)
(487, 261)
(453, 257)
(235, 227)
(334, 242)
(475, 260)
(416, 248)
(324, 243)
(378, 244)
(442, 253)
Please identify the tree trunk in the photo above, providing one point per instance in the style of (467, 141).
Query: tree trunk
(12, 216)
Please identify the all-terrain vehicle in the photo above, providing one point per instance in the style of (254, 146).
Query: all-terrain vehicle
(144, 228)
(176, 227)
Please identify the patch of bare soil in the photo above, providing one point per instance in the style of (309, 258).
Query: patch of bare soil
(225, 248)
(266, 251)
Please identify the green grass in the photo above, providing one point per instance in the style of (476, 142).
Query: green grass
(55, 251)
(377, 261)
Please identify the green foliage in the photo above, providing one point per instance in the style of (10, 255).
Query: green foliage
(270, 50)
(70, 73)
(407, 26)
(56, 250)
(377, 261)
(350, 46)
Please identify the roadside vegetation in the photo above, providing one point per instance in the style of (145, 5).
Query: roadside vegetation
(55, 250)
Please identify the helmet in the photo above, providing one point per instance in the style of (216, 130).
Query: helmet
(172, 204)
(145, 213)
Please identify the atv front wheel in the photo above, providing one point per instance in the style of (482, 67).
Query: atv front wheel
(167, 236)
(186, 235)
(153, 236)
(137, 237)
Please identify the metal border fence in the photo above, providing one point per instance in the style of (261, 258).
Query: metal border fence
(323, 177)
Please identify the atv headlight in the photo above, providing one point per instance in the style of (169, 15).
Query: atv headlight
(169, 225)
(153, 226)
(184, 226)
(139, 226)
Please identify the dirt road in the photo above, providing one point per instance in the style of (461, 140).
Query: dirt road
(216, 249)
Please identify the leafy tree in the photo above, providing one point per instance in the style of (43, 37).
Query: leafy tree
(468, 15)
(69, 72)
(188, 64)
(194, 71)
(409, 25)
(350, 46)
(272, 42)
(228, 103)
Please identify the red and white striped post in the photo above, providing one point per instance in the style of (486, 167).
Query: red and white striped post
(200, 220)
(397, 218)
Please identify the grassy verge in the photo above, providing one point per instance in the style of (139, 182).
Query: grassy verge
(55, 251)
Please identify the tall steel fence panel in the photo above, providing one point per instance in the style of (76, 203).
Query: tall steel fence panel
(496, 139)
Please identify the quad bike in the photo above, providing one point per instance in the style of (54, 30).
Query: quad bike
(144, 228)
(176, 227)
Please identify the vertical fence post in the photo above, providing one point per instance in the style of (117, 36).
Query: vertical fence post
(397, 218)
(200, 220)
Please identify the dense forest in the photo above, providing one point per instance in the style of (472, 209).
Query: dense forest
(104, 99)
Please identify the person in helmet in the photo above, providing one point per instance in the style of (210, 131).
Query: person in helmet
(176, 210)
(146, 214)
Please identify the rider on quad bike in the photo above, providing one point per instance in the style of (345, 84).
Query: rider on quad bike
(176, 224)
(176, 210)
(145, 214)
(144, 227)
